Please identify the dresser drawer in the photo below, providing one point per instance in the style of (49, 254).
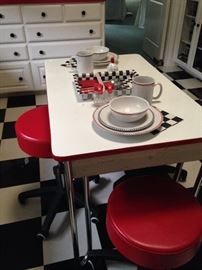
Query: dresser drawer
(39, 75)
(12, 34)
(59, 49)
(10, 14)
(13, 52)
(83, 12)
(68, 31)
(42, 13)
(15, 77)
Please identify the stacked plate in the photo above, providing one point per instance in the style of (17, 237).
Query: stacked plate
(106, 60)
(104, 119)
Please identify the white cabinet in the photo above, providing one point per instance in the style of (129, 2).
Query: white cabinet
(15, 77)
(82, 12)
(12, 34)
(10, 14)
(60, 31)
(38, 70)
(189, 42)
(42, 13)
(30, 34)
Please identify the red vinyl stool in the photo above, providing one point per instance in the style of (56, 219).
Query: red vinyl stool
(33, 132)
(33, 135)
(154, 222)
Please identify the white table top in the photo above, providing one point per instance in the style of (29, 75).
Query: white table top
(73, 134)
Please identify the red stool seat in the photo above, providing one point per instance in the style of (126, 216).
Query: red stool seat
(33, 132)
(154, 222)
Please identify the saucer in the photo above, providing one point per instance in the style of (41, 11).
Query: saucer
(157, 121)
(107, 119)
(107, 60)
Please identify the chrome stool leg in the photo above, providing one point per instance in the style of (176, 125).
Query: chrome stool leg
(198, 183)
(70, 194)
(178, 171)
(88, 222)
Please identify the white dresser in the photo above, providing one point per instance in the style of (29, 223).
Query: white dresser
(30, 34)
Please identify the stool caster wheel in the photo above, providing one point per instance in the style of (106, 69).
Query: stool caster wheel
(42, 235)
(95, 220)
(97, 179)
(86, 262)
(21, 199)
(183, 176)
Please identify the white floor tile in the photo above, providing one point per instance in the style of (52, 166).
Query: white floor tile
(192, 169)
(167, 76)
(12, 210)
(41, 99)
(3, 103)
(36, 268)
(190, 94)
(170, 68)
(190, 83)
(46, 169)
(9, 149)
(12, 114)
(113, 265)
(58, 246)
(100, 192)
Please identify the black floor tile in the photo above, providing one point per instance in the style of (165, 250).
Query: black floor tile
(8, 130)
(17, 172)
(178, 85)
(159, 69)
(199, 102)
(2, 115)
(99, 264)
(20, 101)
(179, 75)
(194, 264)
(48, 197)
(100, 213)
(20, 248)
(197, 92)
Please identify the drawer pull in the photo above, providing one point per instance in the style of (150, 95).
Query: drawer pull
(91, 31)
(44, 76)
(38, 34)
(16, 53)
(41, 52)
(1, 16)
(20, 79)
(12, 35)
(83, 12)
(43, 14)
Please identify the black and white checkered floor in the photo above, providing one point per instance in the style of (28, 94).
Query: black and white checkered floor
(20, 249)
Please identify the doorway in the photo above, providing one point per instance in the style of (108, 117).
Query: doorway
(121, 33)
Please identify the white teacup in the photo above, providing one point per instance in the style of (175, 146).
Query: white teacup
(143, 86)
(84, 61)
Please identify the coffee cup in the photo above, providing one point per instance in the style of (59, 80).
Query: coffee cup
(84, 61)
(143, 86)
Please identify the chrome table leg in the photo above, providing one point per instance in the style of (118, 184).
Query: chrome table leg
(87, 213)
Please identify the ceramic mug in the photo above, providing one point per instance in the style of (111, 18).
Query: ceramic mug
(84, 61)
(143, 86)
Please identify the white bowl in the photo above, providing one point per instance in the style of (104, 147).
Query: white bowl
(129, 108)
(99, 52)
